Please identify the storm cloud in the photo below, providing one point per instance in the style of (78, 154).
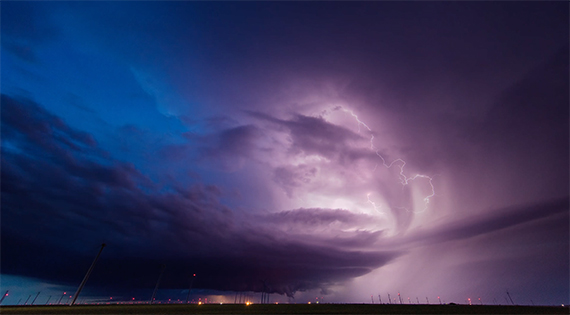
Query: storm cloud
(341, 149)
(70, 202)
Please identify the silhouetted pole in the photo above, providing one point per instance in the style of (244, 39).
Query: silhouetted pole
(4, 296)
(510, 298)
(157, 283)
(36, 297)
(61, 298)
(190, 288)
(86, 276)
(49, 298)
(28, 299)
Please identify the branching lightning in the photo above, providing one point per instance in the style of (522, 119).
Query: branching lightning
(377, 208)
(404, 179)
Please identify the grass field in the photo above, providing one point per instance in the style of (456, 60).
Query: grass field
(284, 309)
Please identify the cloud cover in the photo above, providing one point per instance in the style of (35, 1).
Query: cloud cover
(65, 200)
(184, 134)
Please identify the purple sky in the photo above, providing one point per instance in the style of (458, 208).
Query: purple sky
(333, 150)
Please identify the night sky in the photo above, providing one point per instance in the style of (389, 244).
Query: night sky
(328, 150)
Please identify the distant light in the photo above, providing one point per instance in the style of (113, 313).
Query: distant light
(309, 303)
(194, 275)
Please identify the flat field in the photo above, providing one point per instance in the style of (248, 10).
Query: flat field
(267, 309)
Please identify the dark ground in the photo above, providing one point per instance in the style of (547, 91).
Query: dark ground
(285, 309)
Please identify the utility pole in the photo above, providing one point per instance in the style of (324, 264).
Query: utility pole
(61, 298)
(510, 298)
(86, 276)
(36, 297)
(190, 288)
(157, 283)
(4, 296)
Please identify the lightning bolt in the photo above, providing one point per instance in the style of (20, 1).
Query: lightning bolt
(404, 179)
(377, 208)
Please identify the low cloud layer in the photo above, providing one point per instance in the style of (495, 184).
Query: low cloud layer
(59, 186)
(70, 196)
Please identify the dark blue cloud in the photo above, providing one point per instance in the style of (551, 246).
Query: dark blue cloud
(68, 196)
